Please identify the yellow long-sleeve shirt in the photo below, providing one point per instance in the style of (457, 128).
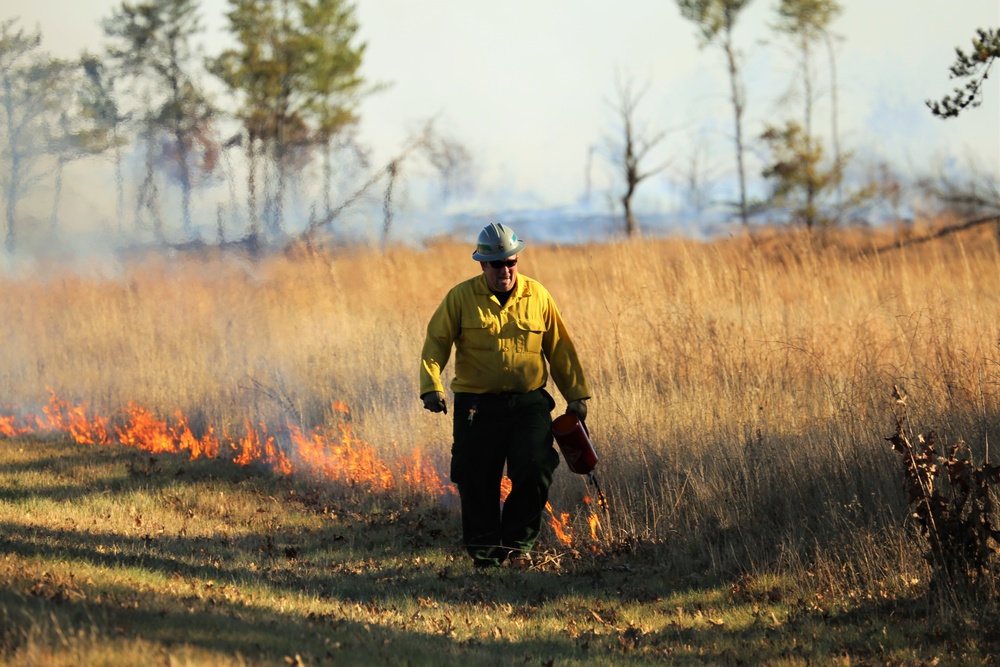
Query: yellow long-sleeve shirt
(500, 348)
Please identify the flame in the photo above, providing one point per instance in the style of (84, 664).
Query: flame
(593, 520)
(61, 416)
(332, 454)
(347, 459)
(207, 446)
(559, 524)
(258, 446)
(594, 524)
(419, 473)
(146, 432)
(9, 429)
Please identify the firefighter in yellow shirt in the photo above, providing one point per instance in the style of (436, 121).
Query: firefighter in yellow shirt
(508, 337)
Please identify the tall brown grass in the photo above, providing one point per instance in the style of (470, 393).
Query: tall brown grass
(742, 388)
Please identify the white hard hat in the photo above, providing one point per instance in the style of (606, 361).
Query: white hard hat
(497, 241)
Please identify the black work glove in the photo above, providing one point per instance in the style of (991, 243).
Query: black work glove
(434, 401)
(578, 408)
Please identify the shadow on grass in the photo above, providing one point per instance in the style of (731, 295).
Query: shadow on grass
(337, 563)
(223, 630)
(591, 629)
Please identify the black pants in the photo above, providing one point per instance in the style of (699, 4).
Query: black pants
(506, 429)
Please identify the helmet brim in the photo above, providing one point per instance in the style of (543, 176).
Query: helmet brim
(518, 247)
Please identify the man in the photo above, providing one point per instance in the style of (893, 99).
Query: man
(508, 336)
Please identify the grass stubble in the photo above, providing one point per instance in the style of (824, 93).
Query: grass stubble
(742, 401)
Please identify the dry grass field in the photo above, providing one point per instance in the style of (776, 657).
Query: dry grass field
(743, 387)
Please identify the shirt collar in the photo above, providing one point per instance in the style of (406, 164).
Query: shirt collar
(521, 287)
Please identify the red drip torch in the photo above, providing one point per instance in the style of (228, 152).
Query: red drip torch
(574, 442)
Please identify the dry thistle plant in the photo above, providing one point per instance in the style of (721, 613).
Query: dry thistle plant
(952, 503)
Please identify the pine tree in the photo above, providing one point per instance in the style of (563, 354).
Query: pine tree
(295, 70)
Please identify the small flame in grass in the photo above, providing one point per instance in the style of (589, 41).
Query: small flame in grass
(260, 447)
(61, 416)
(559, 524)
(146, 432)
(593, 520)
(594, 525)
(419, 473)
(346, 459)
(333, 454)
(9, 429)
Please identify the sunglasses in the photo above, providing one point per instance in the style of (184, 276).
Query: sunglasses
(509, 263)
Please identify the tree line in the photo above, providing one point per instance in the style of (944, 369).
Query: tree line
(292, 83)
(809, 187)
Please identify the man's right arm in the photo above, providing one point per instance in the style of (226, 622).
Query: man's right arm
(441, 333)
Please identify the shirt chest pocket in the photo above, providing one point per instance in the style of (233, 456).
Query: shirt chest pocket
(477, 334)
(527, 336)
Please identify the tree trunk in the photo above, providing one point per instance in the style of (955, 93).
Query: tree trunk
(15, 163)
(185, 171)
(56, 196)
(119, 184)
(11, 211)
(327, 177)
(631, 224)
(737, 98)
(834, 130)
(253, 224)
(12, 188)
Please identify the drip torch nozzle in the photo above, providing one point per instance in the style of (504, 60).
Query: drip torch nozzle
(602, 502)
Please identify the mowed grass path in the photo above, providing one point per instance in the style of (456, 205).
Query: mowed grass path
(110, 557)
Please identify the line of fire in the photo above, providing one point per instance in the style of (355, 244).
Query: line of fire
(334, 455)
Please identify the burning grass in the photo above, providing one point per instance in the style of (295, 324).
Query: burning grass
(336, 456)
(332, 455)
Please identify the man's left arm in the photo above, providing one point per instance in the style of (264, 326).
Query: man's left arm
(564, 363)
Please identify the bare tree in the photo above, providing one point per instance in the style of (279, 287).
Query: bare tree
(86, 128)
(30, 82)
(834, 116)
(153, 43)
(99, 106)
(696, 178)
(716, 20)
(631, 148)
(426, 142)
(974, 194)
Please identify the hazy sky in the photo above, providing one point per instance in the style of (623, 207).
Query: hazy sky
(526, 85)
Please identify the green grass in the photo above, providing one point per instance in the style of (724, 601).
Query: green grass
(110, 556)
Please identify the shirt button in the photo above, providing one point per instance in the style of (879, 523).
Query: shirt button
(506, 368)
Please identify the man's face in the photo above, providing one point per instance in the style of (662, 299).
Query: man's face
(501, 274)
